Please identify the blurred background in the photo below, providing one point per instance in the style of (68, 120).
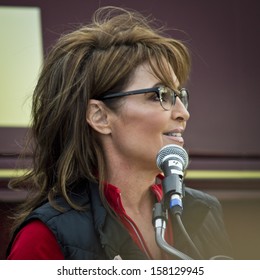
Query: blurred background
(222, 136)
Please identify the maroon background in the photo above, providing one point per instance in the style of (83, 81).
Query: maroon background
(223, 131)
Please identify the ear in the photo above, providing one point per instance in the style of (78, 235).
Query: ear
(97, 116)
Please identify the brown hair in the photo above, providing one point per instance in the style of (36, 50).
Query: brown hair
(84, 64)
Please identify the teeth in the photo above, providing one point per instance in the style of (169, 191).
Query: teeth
(174, 134)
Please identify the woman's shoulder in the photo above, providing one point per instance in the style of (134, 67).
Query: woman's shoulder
(78, 200)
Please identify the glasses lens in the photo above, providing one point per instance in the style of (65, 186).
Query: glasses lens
(166, 97)
(184, 97)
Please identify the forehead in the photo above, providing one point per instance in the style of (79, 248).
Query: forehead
(160, 72)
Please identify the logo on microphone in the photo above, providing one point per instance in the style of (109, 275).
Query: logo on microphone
(175, 163)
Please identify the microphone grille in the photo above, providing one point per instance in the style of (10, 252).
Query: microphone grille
(172, 150)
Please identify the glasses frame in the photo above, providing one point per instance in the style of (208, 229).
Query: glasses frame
(159, 90)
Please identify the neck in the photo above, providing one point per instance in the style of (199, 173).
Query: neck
(135, 189)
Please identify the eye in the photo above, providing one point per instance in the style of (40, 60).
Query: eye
(166, 94)
(154, 96)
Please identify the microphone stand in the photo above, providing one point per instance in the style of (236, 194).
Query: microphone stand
(160, 213)
(159, 222)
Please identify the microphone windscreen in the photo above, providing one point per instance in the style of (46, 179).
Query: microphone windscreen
(172, 150)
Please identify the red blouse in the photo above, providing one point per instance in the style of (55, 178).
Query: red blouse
(35, 241)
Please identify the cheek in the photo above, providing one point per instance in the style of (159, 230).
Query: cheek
(144, 124)
(141, 133)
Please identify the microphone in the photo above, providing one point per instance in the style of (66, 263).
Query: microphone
(172, 160)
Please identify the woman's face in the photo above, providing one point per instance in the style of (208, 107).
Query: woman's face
(143, 127)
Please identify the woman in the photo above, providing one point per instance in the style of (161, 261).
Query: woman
(109, 97)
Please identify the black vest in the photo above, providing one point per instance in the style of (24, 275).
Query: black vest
(90, 234)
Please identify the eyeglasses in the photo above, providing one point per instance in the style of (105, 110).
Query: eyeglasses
(165, 95)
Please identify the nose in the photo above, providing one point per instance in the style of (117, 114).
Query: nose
(179, 112)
